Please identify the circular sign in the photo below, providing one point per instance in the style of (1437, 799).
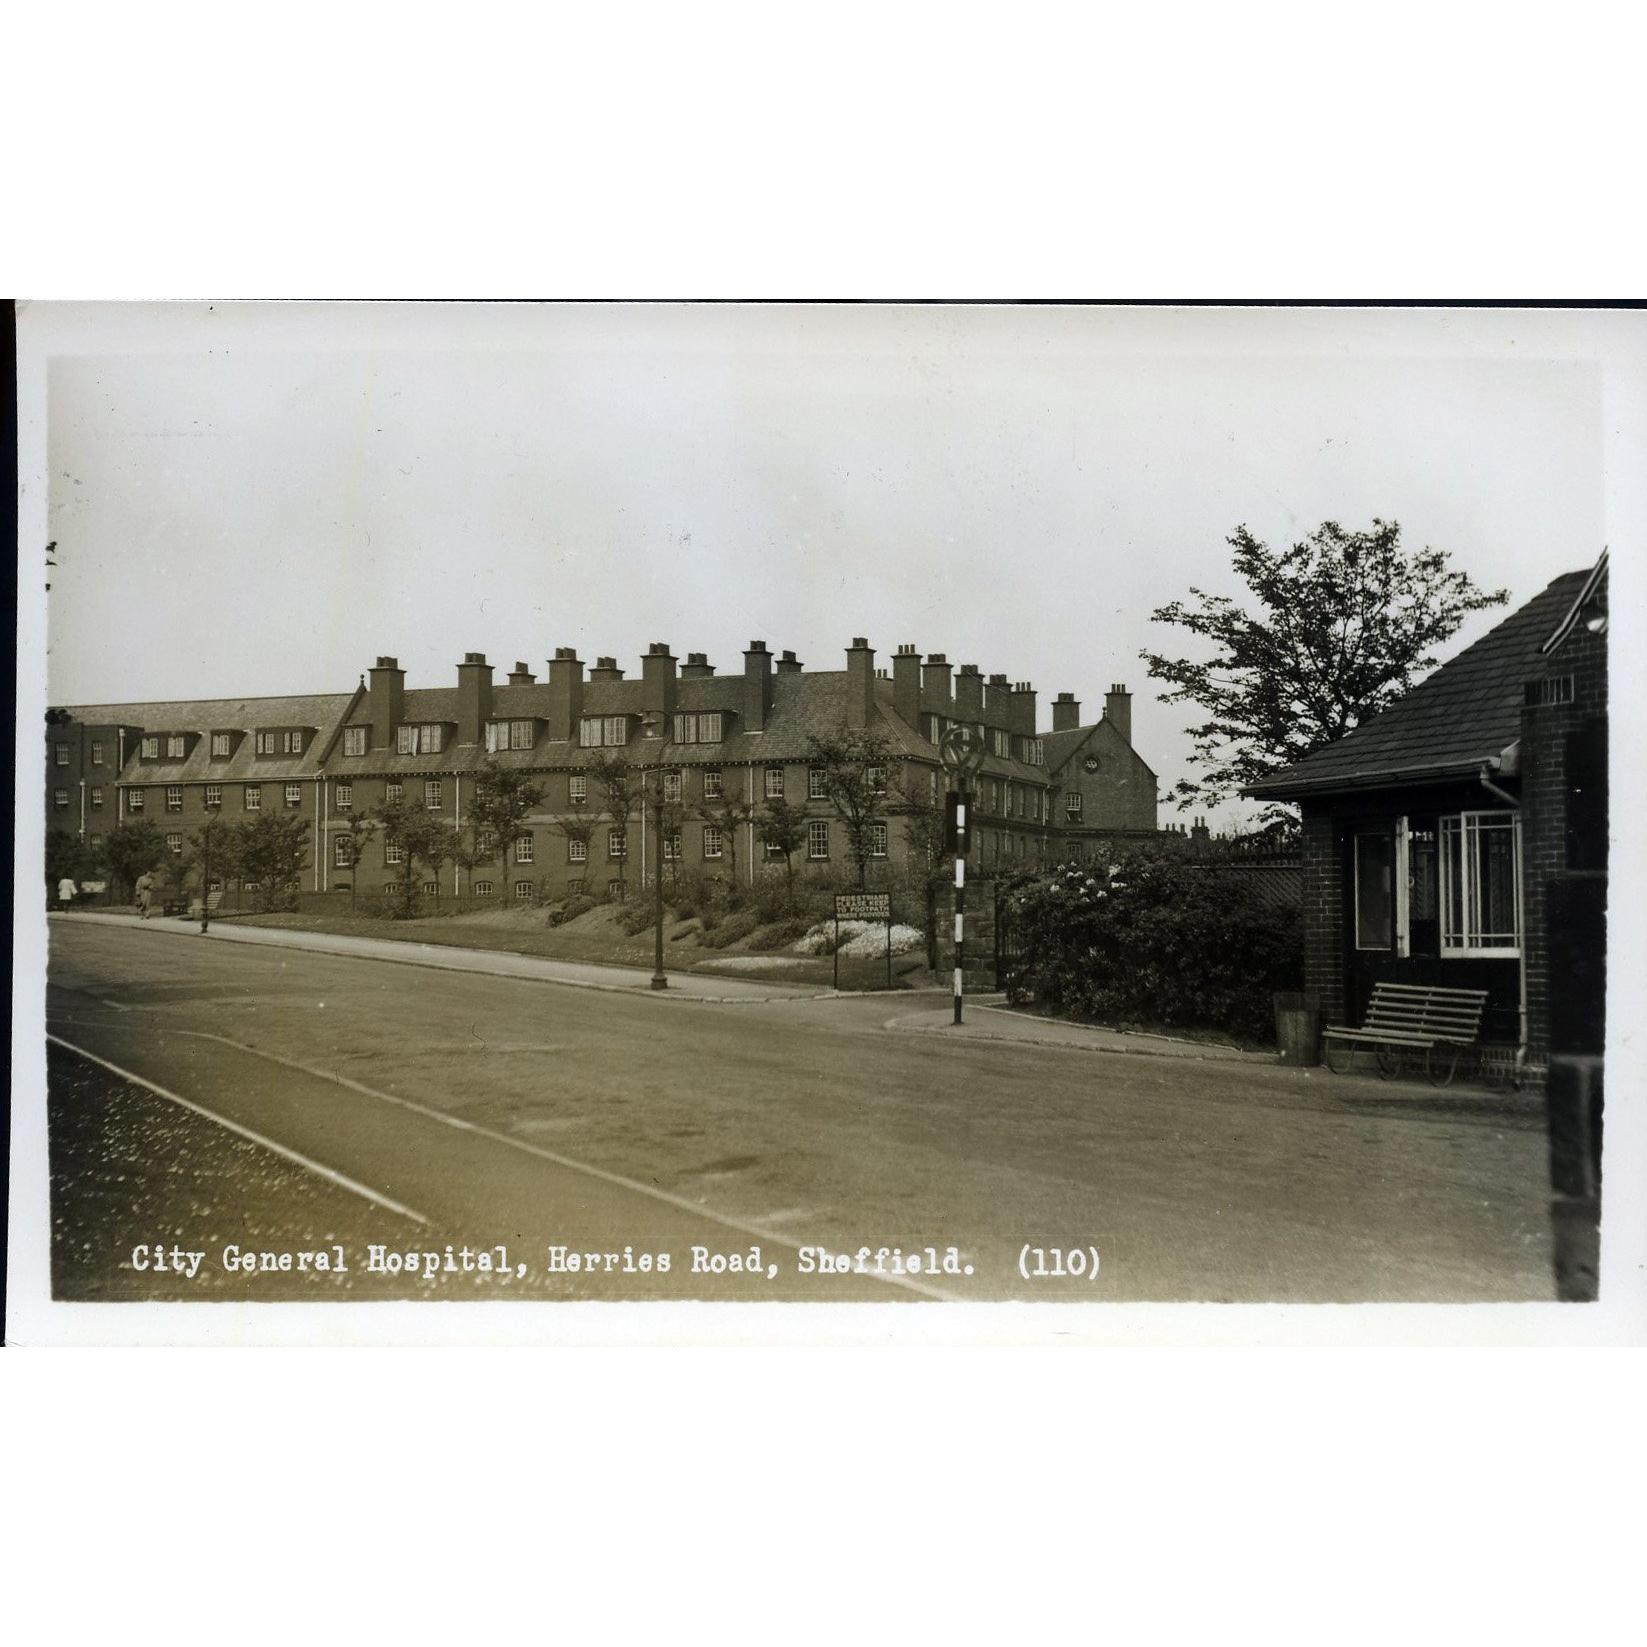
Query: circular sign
(961, 749)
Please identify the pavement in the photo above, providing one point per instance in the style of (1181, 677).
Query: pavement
(478, 1110)
(449, 958)
(987, 1018)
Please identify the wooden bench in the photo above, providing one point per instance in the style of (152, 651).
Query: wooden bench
(1443, 1024)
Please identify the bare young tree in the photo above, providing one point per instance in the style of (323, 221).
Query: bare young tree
(619, 784)
(728, 816)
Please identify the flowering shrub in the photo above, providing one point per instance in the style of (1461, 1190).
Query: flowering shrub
(1162, 942)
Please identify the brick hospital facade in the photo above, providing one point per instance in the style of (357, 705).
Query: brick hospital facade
(718, 747)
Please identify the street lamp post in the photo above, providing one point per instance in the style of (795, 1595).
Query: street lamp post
(206, 878)
(658, 724)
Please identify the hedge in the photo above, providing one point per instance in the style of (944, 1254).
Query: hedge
(1154, 942)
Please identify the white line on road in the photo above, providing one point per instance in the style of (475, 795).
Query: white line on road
(755, 1231)
(326, 1172)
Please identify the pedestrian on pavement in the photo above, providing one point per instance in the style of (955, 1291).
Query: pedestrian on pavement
(145, 894)
(65, 892)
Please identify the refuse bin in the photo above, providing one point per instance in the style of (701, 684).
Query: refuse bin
(1298, 1027)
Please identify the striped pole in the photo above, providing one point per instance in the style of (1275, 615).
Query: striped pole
(960, 900)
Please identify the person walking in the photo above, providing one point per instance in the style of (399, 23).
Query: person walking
(145, 894)
(65, 892)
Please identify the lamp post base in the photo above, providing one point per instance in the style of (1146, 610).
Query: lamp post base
(659, 981)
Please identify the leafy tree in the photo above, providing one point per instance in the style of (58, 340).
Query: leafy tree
(1343, 623)
(580, 827)
(728, 816)
(619, 785)
(133, 850)
(504, 799)
(215, 849)
(854, 765)
(361, 830)
(422, 839)
(273, 853)
(67, 854)
(922, 816)
(783, 829)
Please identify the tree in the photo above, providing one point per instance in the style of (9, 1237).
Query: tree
(420, 837)
(215, 848)
(133, 850)
(579, 827)
(619, 784)
(361, 830)
(67, 854)
(923, 826)
(1344, 622)
(728, 816)
(783, 830)
(854, 767)
(274, 852)
(504, 799)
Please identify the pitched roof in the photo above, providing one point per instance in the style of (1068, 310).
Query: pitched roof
(1464, 715)
(1061, 747)
(322, 711)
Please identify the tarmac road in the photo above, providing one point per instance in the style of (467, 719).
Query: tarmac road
(418, 1109)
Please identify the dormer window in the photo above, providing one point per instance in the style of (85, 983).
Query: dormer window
(292, 742)
(176, 746)
(422, 739)
(1034, 752)
(502, 735)
(268, 743)
(354, 740)
(222, 745)
(700, 728)
(151, 749)
(603, 731)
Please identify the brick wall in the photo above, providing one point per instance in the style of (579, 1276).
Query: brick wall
(980, 932)
(1544, 785)
(1323, 908)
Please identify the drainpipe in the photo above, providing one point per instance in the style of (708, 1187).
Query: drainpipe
(317, 834)
(325, 802)
(1521, 964)
(119, 771)
(457, 822)
(749, 801)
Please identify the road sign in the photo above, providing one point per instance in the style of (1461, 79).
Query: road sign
(961, 749)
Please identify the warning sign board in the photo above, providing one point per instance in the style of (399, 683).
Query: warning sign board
(863, 906)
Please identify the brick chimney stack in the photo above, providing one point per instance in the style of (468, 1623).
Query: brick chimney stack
(1066, 712)
(788, 664)
(906, 685)
(969, 693)
(697, 666)
(520, 675)
(1118, 711)
(605, 669)
(474, 697)
(935, 685)
(860, 683)
(997, 701)
(565, 693)
(1023, 709)
(387, 700)
(757, 686)
(657, 687)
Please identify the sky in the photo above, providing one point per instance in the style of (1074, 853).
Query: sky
(262, 498)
